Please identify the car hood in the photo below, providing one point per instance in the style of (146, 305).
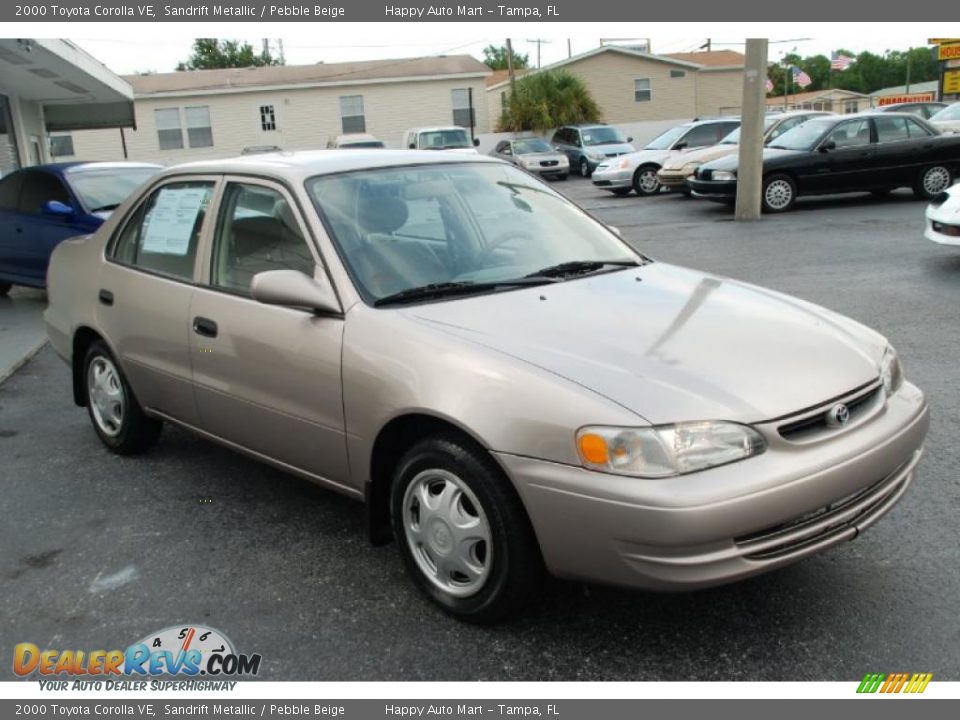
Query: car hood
(699, 156)
(610, 148)
(674, 345)
(730, 162)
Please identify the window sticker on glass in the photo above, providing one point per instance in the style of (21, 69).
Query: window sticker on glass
(172, 219)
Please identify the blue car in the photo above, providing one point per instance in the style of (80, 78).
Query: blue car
(43, 205)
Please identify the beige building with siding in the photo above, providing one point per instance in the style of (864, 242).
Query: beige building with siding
(835, 100)
(632, 86)
(203, 114)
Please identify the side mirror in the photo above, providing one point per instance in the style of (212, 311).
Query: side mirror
(476, 142)
(629, 139)
(679, 146)
(413, 146)
(293, 289)
(827, 146)
(57, 208)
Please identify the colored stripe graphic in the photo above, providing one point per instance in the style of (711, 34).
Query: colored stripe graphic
(895, 683)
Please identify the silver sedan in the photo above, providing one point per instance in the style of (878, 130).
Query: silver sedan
(534, 155)
(508, 386)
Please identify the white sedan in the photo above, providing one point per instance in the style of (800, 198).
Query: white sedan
(943, 218)
(948, 119)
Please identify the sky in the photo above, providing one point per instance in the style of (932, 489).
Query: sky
(129, 48)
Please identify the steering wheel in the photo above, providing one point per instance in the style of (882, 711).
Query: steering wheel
(502, 239)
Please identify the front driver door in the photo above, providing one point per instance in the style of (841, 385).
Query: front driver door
(845, 165)
(267, 378)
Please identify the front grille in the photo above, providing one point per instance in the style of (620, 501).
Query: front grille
(809, 426)
(614, 154)
(820, 524)
(549, 163)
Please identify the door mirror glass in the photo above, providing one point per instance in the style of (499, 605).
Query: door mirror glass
(630, 139)
(291, 288)
(476, 142)
(828, 146)
(57, 208)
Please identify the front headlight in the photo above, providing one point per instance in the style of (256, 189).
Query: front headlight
(723, 175)
(624, 164)
(667, 450)
(595, 155)
(527, 163)
(891, 372)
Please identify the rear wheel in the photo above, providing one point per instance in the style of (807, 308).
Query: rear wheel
(5, 288)
(584, 168)
(646, 181)
(463, 533)
(117, 417)
(779, 193)
(932, 181)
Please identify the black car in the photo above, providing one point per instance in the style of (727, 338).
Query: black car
(873, 152)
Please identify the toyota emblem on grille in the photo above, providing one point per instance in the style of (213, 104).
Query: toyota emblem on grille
(838, 415)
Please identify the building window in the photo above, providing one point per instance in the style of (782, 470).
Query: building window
(351, 114)
(641, 90)
(678, 73)
(199, 132)
(169, 133)
(463, 114)
(268, 118)
(851, 106)
(61, 145)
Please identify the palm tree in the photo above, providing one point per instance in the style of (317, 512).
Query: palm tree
(545, 100)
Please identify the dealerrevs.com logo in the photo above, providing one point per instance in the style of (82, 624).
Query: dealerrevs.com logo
(179, 651)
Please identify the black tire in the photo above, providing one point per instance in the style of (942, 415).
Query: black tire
(585, 168)
(515, 568)
(621, 192)
(135, 432)
(779, 193)
(645, 180)
(5, 288)
(932, 181)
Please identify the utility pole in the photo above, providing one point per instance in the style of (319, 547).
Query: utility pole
(707, 45)
(906, 89)
(750, 163)
(510, 73)
(539, 42)
(569, 49)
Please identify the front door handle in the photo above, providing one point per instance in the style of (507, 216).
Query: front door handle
(204, 326)
(105, 297)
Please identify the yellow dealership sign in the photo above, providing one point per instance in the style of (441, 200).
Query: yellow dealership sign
(951, 82)
(948, 52)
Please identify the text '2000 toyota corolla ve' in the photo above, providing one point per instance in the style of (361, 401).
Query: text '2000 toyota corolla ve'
(506, 383)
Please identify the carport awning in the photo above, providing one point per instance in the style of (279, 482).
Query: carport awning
(89, 116)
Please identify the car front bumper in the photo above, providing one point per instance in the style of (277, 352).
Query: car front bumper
(943, 223)
(726, 523)
(723, 190)
(674, 180)
(609, 178)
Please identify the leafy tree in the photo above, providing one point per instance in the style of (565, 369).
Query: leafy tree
(211, 54)
(495, 57)
(546, 100)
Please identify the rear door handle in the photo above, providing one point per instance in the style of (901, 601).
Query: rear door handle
(106, 297)
(204, 326)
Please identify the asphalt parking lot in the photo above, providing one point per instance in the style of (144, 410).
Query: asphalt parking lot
(99, 550)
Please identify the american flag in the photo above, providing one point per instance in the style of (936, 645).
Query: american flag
(769, 85)
(800, 77)
(840, 62)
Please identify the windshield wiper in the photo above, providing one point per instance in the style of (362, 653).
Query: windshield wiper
(105, 208)
(580, 267)
(448, 289)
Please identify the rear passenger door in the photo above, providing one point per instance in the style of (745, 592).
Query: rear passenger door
(267, 378)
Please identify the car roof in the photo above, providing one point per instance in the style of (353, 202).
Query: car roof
(301, 164)
(435, 128)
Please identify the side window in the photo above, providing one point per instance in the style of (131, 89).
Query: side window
(724, 129)
(257, 231)
(10, 191)
(853, 133)
(700, 136)
(41, 187)
(916, 130)
(507, 149)
(891, 129)
(162, 234)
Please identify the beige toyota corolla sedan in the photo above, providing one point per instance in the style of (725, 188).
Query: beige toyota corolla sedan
(507, 385)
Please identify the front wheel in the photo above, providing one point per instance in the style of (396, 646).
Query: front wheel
(621, 192)
(779, 193)
(932, 181)
(463, 533)
(584, 168)
(117, 417)
(5, 288)
(646, 181)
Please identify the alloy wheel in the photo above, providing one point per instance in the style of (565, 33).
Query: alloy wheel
(778, 194)
(936, 180)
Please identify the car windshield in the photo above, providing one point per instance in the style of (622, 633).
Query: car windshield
(601, 136)
(530, 145)
(804, 137)
(734, 137)
(952, 112)
(667, 139)
(101, 189)
(466, 223)
(444, 139)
